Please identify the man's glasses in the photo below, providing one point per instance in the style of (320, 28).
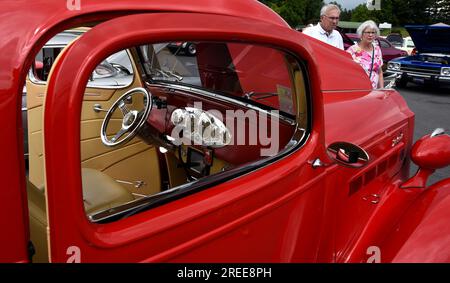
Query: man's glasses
(332, 18)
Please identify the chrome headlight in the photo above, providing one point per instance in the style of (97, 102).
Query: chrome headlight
(445, 71)
(394, 66)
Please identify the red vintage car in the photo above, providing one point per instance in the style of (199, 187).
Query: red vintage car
(266, 146)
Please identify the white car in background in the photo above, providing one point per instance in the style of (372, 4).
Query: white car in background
(408, 45)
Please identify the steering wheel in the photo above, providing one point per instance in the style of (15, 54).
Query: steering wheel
(132, 119)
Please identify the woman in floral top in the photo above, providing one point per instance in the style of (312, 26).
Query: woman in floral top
(362, 53)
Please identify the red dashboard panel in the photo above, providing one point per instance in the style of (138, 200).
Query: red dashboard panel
(245, 146)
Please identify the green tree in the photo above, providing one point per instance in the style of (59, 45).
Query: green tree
(440, 11)
(292, 11)
(269, 3)
(296, 12)
(312, 11)
(396, 12)
(362, 14)
(385, 14)
(411, 11)
(346, 15)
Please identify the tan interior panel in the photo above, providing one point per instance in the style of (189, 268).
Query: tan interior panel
(100, 192)
(95, 148)
(36, 171)
(124, 162)
(90, 128)
(35, 94)
(103, 161)
(141, 170)
(177, 176)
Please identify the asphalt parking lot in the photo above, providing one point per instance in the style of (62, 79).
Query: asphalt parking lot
(432, 109)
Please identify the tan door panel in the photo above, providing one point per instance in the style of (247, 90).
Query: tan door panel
(35, 146)
(95, 148)
(35, 94)
(141, 167)
(133, 160)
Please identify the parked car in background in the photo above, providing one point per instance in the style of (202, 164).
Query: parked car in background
(431, 64)
(395, 39)
(267, 146)
(387, 49)
(183, 47)
(408, 45)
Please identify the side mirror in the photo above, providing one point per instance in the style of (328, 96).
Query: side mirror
(348, 154)
(431, 152)
(38, 65)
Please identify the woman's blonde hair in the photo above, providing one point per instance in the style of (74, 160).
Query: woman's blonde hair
(368, 24)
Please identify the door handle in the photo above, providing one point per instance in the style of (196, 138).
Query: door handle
(98, 108)
(136, 184)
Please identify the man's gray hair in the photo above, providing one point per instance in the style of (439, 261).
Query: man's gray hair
(327, 8)
(368, 24)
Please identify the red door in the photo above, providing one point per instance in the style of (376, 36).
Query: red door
(270, 214)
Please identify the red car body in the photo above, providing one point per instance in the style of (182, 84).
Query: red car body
(301, 207)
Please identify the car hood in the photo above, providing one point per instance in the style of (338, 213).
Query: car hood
(431, 39)
(426, 59)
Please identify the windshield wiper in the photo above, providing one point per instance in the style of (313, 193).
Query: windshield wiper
(167, 74)
(259, 95)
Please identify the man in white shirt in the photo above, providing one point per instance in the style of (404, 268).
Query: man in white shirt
(325, 29)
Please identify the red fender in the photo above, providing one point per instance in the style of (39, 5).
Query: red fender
(423, 233)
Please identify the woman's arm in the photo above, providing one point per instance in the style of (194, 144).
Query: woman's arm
(380, 70)
(381, 79)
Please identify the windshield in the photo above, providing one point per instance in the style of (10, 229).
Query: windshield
(226, 68)
(409, 43)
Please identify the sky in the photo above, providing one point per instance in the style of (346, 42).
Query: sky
(348, 4)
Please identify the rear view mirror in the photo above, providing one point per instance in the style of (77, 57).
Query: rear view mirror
(430, 153)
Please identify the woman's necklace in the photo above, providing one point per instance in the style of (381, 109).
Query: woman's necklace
(367, 48)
